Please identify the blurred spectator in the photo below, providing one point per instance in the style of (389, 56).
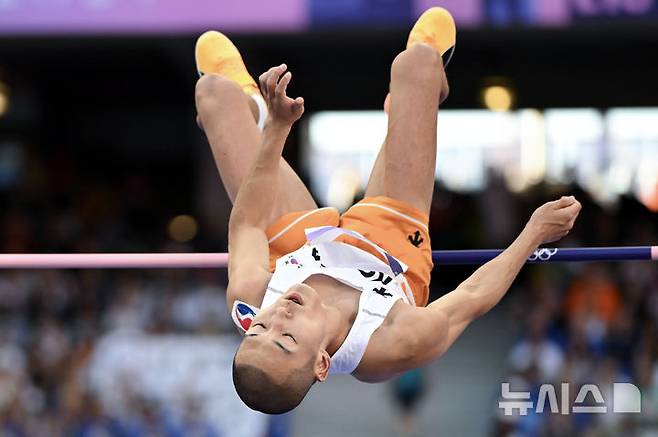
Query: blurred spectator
(594, 300)
(537, 350)
(132, 307)
(90, 421)
(202, 307)
(192, 421)
(408, 390)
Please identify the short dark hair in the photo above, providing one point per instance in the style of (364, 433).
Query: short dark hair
(259, 392)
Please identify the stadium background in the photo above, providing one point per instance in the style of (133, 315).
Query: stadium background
(99, 151)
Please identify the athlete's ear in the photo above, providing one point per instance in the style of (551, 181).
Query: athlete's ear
(322, 364)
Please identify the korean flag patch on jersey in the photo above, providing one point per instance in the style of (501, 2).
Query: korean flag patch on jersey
(243, 315)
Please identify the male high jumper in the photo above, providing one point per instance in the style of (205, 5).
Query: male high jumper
(316, 292)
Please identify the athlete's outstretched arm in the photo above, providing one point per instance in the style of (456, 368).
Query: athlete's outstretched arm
(248, 267)
(437, 326)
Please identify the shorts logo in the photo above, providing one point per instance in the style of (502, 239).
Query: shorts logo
(415, 239)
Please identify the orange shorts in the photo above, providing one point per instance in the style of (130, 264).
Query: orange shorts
(393, 225)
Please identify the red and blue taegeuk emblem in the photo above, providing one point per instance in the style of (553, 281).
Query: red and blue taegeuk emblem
(243, 315)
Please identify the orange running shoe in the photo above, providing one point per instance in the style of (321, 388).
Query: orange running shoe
(435, 27)
(215, 53)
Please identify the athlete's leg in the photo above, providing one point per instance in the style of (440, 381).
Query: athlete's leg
(228, 116)
(405, 167)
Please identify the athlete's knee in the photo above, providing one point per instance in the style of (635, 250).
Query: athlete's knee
(418, 62)
(216, 87)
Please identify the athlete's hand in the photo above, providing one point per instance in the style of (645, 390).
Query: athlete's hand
(554, 220)
(283, 110)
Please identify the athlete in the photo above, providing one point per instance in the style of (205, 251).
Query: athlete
(316, 292)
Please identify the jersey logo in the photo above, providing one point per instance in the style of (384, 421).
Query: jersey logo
(384, 279)
(292, 261)
(243, 315)
(382, 292)
(415, 239)
(316, 256)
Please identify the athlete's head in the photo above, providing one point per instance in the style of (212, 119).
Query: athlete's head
(283, 353)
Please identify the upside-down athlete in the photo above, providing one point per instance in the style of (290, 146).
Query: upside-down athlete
(316, 292)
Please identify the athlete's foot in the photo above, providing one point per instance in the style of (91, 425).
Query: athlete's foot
(216, 54)
(435, 27)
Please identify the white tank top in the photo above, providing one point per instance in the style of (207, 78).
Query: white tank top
(381, 285)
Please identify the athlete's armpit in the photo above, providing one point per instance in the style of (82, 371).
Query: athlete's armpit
(413, 337)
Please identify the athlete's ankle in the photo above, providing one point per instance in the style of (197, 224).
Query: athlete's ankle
(253, 107)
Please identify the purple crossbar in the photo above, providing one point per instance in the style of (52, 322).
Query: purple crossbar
(220, 260)
(551, 255)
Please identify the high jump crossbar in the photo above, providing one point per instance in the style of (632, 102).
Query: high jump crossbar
(220, 260)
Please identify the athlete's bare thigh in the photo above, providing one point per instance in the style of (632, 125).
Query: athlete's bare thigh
(235, 140)
(405, 167)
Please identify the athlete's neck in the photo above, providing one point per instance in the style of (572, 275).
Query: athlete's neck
(340, 303)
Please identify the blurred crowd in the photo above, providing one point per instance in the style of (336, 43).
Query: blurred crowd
(50, 323)
(52, 320)
(589, 323)
(581, 323)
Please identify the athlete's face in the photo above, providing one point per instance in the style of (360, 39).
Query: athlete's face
(288, 333)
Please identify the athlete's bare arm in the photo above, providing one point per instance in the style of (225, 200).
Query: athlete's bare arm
(417, 336)
(248, 266)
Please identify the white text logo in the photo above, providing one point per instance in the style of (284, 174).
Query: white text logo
(626, 398)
